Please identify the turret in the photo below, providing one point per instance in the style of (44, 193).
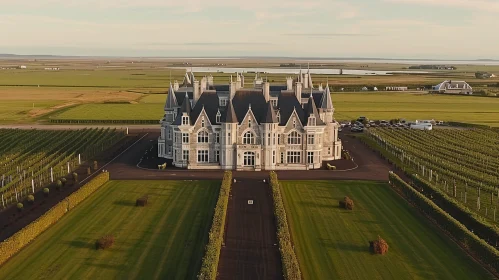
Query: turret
(266, 91)
(269, 138)
(298, 87)
(229, 137)
(196, 93)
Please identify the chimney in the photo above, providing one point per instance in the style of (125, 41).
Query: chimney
(210, 80)
(204, 83)
(242, 80)
(289, 83)
(238, 81)
(305, 81)
(266, 91)
(298, 87)
(196, 94)
(176, 85)
(320, 87)
(232, 89)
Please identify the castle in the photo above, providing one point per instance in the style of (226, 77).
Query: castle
(262, 127)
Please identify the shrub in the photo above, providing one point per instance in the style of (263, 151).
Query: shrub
(346, 203)
(63, 180)
(75, 177)
(31, 198)
(58, 184)
(89, 171)
(96, 166)
(20, 206)
(46, 191)
(142, 201)
(290, 266)
(104, 242)
(211, 257)
(378, 246)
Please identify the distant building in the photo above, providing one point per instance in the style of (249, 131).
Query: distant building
(396, 88)
(261, 127)
(453, 87)
(23, 67)
(52, 68)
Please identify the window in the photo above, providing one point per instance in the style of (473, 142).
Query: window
(310, 157)
(273, 157)
(185, 155)
(217, 156)
(228, 139)
(202, 155)
(278, 117)
(248, 138)
(169, 150)
(203, 137)
(294, 138)
(310, 139)
(311, 121)
(223, 102)
(294, 122)
(273, 140)
(328, 151)
(280, 139)
(249, 159)
(169, 133)
(218, 116)
(268, 139)
(294, 157)
(274, 102)
(202, 122)
(185, 138)
(282, 157)
(185, 120)
(249, 123)
(217, 137)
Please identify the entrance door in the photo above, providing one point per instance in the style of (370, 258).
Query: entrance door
(249, 159)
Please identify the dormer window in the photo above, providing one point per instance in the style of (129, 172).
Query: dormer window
(311, 121)
(185, 120)
(278, 117)
(218, 116)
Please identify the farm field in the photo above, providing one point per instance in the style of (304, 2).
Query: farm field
(332, 243)
(140, 111)
(153, 242)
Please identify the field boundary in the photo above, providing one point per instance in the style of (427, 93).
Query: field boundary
(19, 240)
(290, 265)
(476, 247)
(209, 265)
(76, 121)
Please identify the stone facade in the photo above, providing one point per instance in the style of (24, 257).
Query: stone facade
(265, 127)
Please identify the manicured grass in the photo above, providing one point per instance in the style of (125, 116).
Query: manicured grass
(140, 111)
(333, 243)
(164, 240)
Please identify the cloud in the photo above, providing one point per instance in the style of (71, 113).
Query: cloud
(483, 5)
(325, 35)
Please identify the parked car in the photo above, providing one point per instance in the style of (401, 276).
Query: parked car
(356, 129)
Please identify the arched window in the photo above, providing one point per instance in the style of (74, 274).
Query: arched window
(248, 138)
(311, 121)
(203, 137)
(294, 138)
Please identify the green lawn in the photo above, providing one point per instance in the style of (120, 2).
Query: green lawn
(164, 240)
(139, 111)
(332, 243)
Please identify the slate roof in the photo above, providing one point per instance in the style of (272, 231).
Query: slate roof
(244, 98)
(180, 95)
(270, 116)
(311, 109)
(230, 114)
(186, 108)
(286, 103)
(209, 101)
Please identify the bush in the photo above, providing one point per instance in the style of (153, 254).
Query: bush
(211, 257)
(75, 177)
(104, 242)
(290, 266)
(378, 246)
(20, 206)
(31, 198)
(96, 166)
(16, 242)
(63, 180)
(346, 203)
(46, 191)
(142, 201)
(89, 171)
(58, 184)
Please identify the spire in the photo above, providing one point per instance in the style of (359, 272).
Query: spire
(311, 109)
(186, 105)
(326, 102)
(171, 99)
(270, 116)
(230, 114)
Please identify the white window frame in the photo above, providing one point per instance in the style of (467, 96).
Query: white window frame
(249, 138)
(203, 136)
(217, 137)
(217, 156)
(185, 138)
(203, 156)
(293, 157)
(185, 120)
(294, 138)
(185, 155)
(310, 139)
(218, 117)
(310, 157)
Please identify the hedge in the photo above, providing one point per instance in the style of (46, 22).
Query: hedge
(480, 226)
(211, 257)
(71, 121)
(16, 242)
(290, 266)
(478, 248)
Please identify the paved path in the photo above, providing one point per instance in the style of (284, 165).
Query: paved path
(250, 250)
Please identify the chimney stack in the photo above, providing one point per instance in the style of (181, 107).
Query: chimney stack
(266, 91)
(176, 85)
(289, 83)
(204, 82)
(232, 89)
(305, 81)
(196, 94)
(298, 87)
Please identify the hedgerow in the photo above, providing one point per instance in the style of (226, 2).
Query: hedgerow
(290, 266)
(212, 254)
(480, 249)
(16, 242)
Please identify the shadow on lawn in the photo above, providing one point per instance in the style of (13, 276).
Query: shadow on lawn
(124, 202)
(344, 246)
(332, 204)
(82, 243)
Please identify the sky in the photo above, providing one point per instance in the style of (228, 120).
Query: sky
(439, 29)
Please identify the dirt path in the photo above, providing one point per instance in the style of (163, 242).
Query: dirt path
(250, 250)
